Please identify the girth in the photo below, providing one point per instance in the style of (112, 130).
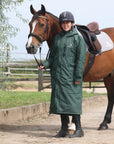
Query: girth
(89, 64)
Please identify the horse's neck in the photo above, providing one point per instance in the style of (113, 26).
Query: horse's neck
(54, 29)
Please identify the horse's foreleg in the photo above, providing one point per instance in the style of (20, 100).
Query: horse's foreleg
(109, 83)
(107, 118)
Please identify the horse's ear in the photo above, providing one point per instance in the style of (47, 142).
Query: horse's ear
(33, 11)
(43, 10)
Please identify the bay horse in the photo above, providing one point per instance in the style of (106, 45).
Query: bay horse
(44, 26)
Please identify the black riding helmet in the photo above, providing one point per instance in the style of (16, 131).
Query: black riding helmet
(66, 16)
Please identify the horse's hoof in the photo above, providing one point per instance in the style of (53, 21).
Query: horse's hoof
(103, 127)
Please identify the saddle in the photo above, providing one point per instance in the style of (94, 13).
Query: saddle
(89, 33)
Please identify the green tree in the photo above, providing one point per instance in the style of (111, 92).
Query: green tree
(6, 29)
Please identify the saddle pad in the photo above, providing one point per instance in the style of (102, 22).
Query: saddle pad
(105, 41)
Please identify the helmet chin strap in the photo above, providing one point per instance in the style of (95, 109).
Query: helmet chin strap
(68, 30)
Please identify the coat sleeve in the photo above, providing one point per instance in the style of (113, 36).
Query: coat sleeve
(49, 62)
(81, 53)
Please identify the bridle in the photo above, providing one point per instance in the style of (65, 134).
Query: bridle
(41, 38)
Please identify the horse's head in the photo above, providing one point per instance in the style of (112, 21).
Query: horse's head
(38, 29)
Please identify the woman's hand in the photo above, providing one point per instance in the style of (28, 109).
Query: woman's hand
(77, 82)
(40, 67)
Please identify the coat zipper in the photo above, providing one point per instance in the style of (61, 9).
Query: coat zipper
(64, 50)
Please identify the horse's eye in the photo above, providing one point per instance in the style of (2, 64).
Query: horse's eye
(41, 25)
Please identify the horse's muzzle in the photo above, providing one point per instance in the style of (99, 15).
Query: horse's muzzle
(31, 49)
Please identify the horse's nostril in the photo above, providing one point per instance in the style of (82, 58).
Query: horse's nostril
(31, 49)
(32, 46)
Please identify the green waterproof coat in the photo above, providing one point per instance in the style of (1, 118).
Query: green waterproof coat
(66, 61)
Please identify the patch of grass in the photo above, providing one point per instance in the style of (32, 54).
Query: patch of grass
(85, 94)
(10, 99)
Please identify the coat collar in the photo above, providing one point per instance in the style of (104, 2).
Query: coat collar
(69, 33)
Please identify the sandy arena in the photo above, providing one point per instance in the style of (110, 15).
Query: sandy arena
(40, 130)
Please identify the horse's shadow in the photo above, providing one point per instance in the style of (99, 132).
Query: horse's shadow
(94, 128)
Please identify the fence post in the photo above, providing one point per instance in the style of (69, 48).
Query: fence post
(40, 80)
(90, 85)
(8, 59)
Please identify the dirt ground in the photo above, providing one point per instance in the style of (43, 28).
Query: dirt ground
(40, 130)
(33, 86)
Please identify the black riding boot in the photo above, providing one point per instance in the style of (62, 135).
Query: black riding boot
(79, 132)
(64, 128)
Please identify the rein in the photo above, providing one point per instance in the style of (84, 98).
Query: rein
(46, 30)
(36, 61)
(39, 64)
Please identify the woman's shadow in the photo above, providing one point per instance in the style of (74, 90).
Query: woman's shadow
(31, 130)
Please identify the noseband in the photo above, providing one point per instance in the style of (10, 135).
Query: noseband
(46, 30)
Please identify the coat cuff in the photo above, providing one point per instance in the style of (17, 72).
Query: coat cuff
(45, 64)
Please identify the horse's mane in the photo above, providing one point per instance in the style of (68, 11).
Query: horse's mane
(39, 13)
(52, 14)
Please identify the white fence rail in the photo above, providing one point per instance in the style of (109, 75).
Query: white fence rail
(13, 69)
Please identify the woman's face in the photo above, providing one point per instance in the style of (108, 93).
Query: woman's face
(66, 25)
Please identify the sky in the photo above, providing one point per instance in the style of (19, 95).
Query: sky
(84, 11)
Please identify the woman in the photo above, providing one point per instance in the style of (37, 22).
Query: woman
(66, 61)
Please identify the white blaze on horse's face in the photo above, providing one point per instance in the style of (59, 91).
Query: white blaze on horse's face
(32, 31)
